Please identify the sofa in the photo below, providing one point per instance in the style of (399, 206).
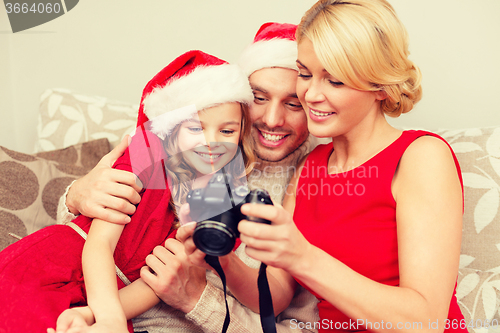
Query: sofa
(75, 131)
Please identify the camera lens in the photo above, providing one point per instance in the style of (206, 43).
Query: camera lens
(213, 238)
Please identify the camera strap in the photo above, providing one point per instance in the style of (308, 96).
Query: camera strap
(267, 319)
(214, 262)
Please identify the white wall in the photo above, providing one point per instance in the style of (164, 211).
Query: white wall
(112, 48)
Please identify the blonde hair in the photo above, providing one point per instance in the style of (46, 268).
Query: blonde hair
(181, 175)
(363, 44)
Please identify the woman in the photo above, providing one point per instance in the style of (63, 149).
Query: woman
(378, 211)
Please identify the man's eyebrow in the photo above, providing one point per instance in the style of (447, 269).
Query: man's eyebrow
(262, 90)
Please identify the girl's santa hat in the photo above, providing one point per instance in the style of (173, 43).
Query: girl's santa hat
(192, 82)
(274, 45)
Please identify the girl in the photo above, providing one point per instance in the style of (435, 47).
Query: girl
(373, 224)
(191, 121)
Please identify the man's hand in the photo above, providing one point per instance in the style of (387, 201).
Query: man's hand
(105, 193)
(177, 282)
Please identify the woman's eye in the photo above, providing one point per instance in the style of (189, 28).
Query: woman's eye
(304, 76)
(336, 83)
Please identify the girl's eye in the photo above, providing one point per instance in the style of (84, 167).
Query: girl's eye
(195, 129)
(227, 132)
(336, 83)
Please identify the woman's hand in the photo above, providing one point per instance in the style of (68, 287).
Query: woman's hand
(280, 244)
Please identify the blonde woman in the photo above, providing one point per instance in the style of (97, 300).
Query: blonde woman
(372, 221)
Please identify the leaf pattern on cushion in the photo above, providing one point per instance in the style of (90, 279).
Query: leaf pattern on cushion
(478, 152)
(478, 285)
(478, 294)
(67, 118)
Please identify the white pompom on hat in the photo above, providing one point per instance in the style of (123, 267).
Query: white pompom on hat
(274, 45)
(192, 82)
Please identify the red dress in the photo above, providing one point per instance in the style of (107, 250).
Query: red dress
(352, 216)
(41, 274)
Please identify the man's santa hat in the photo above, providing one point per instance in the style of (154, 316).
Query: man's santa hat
(274, 45)
(192, 82)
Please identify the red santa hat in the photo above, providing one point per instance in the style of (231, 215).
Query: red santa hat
(274, 45)
(192, 82)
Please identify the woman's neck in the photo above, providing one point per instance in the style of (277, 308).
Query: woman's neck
(360, 144)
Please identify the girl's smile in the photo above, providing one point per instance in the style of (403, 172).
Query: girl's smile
(209, 140)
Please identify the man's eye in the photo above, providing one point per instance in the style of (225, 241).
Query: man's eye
(259, 99)
(294, 106)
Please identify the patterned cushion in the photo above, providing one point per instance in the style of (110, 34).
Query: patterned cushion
(478, 295)
(31, 185)
(478, 151)
(67, 118)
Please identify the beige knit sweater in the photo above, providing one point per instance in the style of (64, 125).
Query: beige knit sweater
(209, 313)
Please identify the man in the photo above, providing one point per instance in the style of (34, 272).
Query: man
(281, 139)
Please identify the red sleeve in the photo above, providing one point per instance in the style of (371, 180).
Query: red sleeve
(142, 155)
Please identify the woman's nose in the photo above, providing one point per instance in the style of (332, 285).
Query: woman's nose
(313, 93)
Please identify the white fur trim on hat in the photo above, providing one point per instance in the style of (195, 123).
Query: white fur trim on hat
(204, 87)
(274, 52)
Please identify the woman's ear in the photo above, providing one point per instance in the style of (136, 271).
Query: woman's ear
(380, 95)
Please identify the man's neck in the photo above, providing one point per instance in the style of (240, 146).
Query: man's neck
(274, 176)
(289, 162)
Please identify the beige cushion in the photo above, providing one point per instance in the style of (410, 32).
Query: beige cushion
(478, 151)
(31, 185)
(478, 294)
(68, 118)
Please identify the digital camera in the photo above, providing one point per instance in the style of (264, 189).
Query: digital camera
(216, 209)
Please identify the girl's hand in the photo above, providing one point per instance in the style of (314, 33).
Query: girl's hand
(196, 256)
(73, 320)
(185, 236)
(96, 328)
(280, 244)
(177, 282)
(184, 212)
